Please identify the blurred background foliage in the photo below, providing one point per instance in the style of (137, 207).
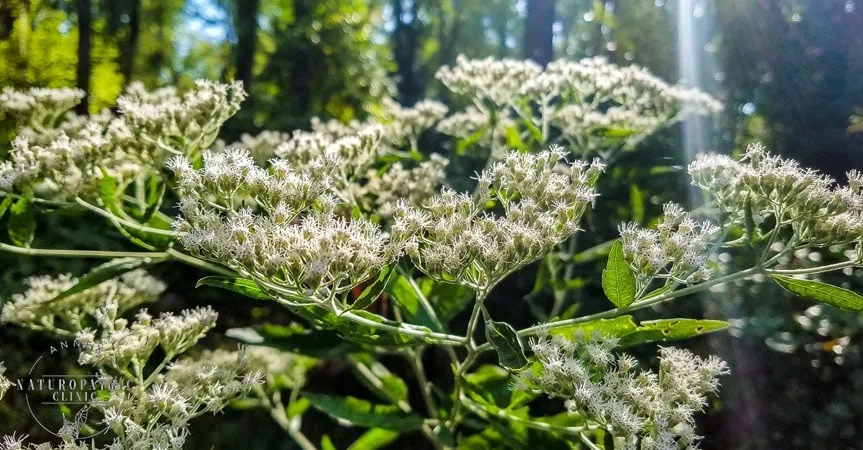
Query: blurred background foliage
(789, 71)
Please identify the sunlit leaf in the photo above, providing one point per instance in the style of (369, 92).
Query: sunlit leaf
(618, 282)
(821, 292)
(242, 286)
(503, 337)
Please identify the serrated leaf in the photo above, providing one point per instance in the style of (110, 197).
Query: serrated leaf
(104, 272)
(373, 290)
(503, 337)
(242, 286)
(354, 411)
(821, 292)
(108, 192)
(22, 222)
(374, 439)
(448, 299)
(665, 330)
(618, 282)
(748, 220)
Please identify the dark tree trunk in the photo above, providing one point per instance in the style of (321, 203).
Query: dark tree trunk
(130, 50)
(406, 37)
(538, 31)
(247, 40)
(85, 35)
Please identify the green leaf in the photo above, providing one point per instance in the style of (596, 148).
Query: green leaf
(354, 411)
(448, 299)
(616, 327)
(748, 220)
(108, 192)
(821, 292)
(406, 296)
(384, 383)
(104, 272)
(155, 195)
(636, 201)
(22, 222)
(666, 330)
(295, 338)
(326, 443)
(618, 282)
(373, 290)
(242, 286)
(593, 253)
(503, 337)
(298, 407)
(4, 205)
(374, 439)
(463, 144)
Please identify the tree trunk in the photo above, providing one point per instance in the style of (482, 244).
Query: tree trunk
(247, 40)
(406, 37)
(130, 50)
(85, 35)
(538, 31)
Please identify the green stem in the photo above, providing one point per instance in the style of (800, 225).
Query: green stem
(477, 409)
(59, 253)
(464, 366)
(124, 222)
(199, 263)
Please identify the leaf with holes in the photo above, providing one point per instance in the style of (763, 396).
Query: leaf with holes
(665, 330)
(618, 282)
(821, 292)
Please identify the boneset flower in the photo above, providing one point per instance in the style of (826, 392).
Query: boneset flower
(819, 212)
(39, 107)
(285, 232)
(5, 384)
(497, 81)
(651, 411)
(450, 238)
(406, 124)
(678, 248)
(37, 309)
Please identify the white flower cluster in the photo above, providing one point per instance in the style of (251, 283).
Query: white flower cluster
(450, 238)
(189, 388)
(818, 211)
(678, 248)
(5, 384)
(170, 123)
(133, 437)
(60, 169)
(262, 146)
(592, 104)
(495, 81)
(406, 124)
(415, 185)
(38, 107)
(651, 411)
(125, 348)
(37, 309)
(353, 153)
(293, 241)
